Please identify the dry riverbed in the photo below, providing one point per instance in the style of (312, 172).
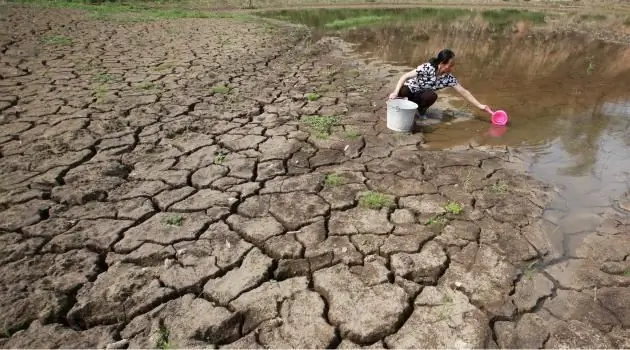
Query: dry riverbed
(183, 183)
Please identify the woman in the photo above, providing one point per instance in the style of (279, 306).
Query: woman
(420, 84)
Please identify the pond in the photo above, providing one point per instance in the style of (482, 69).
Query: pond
(567, 96)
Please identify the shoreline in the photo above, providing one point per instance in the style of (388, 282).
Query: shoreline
(208, 201)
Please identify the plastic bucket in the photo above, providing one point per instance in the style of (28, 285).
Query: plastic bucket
(499, 118)
(401, 115)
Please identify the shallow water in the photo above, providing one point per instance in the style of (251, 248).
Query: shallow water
(567, 98)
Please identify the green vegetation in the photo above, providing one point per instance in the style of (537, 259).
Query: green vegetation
(333, 180)
(453, 208)
(352, 18)
(59, 40)
(131, 11)
(162, 341)
(220, 89)
(175, 220)
(352, 134)
(502, 18)
(219, 158)
(374, 200)
(436, 220)
(103, 78)
(593, 17)
(499, 187)
(627, 22)
(322, 125)
(311, 96)
(146, 86)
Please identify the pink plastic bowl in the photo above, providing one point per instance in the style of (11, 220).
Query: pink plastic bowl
(497, 117)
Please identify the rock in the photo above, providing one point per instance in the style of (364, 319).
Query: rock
(25, 214)
(163, 228)
(13, 247)
(340, 247)
(424, 267)
(484, 275)
(297, 208)
(39, 336)
(284, 246)
(256, 230)
(571, 305)
(530, 332)
(269, 170)
(40, 287)
(617, 300)
(403, 216)
(183, 322)
(367, 244)
(359, 220)
(581, 274)
(302, 314)
(363, 313)
(122, 292)
(252, 272)
(373, 271)
(148, 254)
(530, 289)
(342, 196)
(260, 304)
(166, 198)
(98, 235)
(203, 200)
(442, 318)
(219, 241)
(575, 334)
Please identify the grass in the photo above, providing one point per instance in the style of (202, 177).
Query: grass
(146, 86)
(374, 200)
(502, 18)
(162, 341)
(322, 125)
(220, 89)
(57, 40)
(219, 158)
(436, 220)
(351, 134)
(333, 180)
(499, 187)
(311, 96)
(175, 220)
(131, 11)
(593, 17)
(627, 22)
(103, 78)
(453, 208)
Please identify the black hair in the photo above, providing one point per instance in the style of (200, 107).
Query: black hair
(442, 57)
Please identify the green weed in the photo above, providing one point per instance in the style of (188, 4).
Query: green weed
(374, 200)
(499, 187)
(500, 19)
(626, 273)
(627, 22)
(351, 135)
(593, 17)
(219, 158)
(311, 96)
(175, 220)
(436, 220)
(145, 86)
(220, 89)
(446, 299)
(103, 78)
(333, 180)
(163, 67)
(58, 40)
(162, 341)
(322, 125)
(453, 208)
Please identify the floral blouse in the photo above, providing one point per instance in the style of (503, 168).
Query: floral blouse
(426, 79)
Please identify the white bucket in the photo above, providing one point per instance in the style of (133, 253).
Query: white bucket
(401, 114)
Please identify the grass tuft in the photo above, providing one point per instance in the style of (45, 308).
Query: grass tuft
(57, 40)
(453, 208)
(322, 125)
(220, 89)
(375, 200)
(333, 180)
(311, 96)
(175, 220)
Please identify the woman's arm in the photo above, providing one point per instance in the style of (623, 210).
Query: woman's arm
(468, 96)
(401, 81)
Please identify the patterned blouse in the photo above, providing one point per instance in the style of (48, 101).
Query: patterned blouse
(426, 79)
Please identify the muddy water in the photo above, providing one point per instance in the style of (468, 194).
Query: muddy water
(567, 98)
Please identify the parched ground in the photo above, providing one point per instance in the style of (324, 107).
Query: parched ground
(162, 185)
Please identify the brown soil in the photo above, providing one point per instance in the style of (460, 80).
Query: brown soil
(143, 204)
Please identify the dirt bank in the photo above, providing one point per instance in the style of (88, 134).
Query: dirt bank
(165, 184)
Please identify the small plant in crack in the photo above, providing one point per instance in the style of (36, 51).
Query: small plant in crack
(436, 220)
(499, 187)
(59, 40)
(374, 200)
(162, 339)
(175, 220)
(219, 158)
(529, 272)
(333, 180)
(146, 86)
(100, 92)
(103, 78)
(352, 134)
(322, 125)
(446, 299)
(220, 89)
(453, 208)
(626, 273)
(311, 96)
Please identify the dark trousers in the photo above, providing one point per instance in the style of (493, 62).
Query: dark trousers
(423, 98)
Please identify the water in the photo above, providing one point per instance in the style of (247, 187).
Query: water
(567, 96)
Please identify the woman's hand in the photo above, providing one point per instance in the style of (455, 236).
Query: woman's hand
(393, 95)
(482, 107)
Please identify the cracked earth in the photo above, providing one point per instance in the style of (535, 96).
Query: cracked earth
(160, 184)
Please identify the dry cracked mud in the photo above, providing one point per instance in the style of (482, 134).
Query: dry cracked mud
(165, 183)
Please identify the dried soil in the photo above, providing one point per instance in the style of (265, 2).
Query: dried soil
(160, 184)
